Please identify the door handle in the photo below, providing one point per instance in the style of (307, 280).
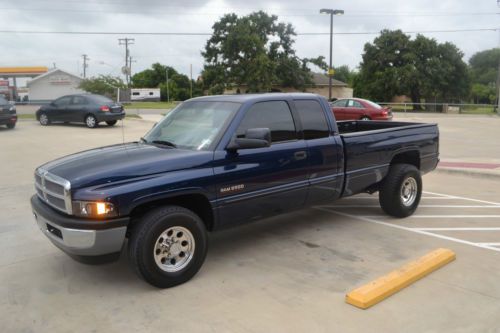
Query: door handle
(300, 155)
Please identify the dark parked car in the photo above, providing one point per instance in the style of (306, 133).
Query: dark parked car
(86, 108)
(359, 109)
(8, 115)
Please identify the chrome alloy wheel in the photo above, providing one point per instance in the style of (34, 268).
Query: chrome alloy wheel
(174, 249)
(409, 190)
(44, 120)
(90, 121)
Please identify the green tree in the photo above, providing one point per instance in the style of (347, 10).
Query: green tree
(421, 68)
(156, 77)
(253, 50)
(345, 74)
(103, 85)
(483, 73)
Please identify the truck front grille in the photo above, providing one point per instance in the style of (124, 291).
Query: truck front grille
(53, 190)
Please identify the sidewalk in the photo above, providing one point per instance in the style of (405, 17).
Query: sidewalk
(470, 168)
(154, 118)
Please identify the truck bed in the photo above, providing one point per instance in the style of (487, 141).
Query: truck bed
(370, 146)
(356, 126)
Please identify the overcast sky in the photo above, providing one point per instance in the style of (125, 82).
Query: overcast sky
(197, 16)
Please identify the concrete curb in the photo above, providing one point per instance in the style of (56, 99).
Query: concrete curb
(478, 173)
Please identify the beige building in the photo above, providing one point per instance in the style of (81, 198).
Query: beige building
(319, 86)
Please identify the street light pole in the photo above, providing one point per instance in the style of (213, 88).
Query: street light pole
(331, 12)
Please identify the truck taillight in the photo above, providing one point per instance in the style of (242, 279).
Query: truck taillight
(104, 108)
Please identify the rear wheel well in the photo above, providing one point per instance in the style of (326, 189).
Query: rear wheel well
(409, 157)
(197, 203)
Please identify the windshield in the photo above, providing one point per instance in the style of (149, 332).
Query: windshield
(3, 101)
(193, 125)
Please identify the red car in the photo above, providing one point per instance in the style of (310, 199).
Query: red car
(359, 109)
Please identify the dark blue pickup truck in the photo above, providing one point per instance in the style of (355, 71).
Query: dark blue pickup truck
(219, 161)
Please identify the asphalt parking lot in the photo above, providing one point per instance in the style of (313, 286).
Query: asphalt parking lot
(285, 274)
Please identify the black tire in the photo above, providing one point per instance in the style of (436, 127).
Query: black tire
(396, 200)
(111, 122)
(145, 239)
(365, 118)
(11, 126)
(44, 119)
(91, 121)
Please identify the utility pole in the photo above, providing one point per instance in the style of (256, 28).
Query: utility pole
(126, 68)
(130, 61)
(85, 65)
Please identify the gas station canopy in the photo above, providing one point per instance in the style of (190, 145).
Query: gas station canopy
(8, 72)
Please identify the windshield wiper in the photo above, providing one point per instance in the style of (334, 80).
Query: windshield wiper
(144, 140)
(165, 143)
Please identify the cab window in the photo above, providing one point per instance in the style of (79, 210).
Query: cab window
(312, 116)
(275, 115)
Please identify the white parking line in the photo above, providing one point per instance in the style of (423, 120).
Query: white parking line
(490, 244)
(422, 232)
(463, 198)
(436, 216)
(459, 229)
(422, 206)
(375, 197)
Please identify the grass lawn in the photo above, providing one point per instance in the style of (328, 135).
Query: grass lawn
(478, 109)
(151, 105)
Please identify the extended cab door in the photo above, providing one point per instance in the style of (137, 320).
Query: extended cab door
(324, 151)
(259, 182)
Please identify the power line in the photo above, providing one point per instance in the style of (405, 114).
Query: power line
(225, 10)
(158, 33)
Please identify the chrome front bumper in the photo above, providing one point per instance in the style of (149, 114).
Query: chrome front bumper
(82, 242)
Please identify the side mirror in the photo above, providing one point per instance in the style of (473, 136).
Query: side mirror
(254, 138)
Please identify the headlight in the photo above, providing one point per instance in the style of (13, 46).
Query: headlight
(94, 209)
(12, 108)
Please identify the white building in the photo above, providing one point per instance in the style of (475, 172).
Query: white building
(145, 94)
(53, 84)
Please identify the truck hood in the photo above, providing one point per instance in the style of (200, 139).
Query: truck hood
(123, 162)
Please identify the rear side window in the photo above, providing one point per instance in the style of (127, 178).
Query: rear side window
(275, 115)
(78, 100)
(354, 104)
(63, 101)
(314, 123)
(340, 103)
